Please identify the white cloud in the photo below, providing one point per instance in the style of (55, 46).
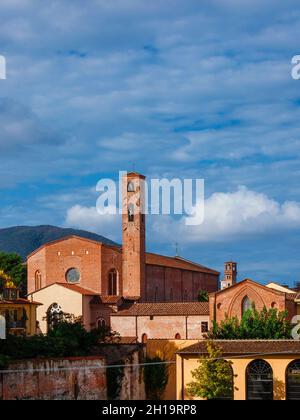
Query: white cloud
(87, 218)
(234, 215)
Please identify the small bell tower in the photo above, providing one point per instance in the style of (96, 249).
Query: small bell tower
(230, 275)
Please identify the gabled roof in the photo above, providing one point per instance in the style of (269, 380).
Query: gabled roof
(177, 262)
(247, 347)
(166, 308)
(276, 286)
(73, 237)
(74, 287)
(251, 282)
(19, 301)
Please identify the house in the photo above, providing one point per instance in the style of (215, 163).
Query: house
(19, 314)
(261, 369)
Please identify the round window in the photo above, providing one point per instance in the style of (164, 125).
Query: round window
(73, 275)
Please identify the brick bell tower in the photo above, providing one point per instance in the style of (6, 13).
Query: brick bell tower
(134, 232)
(230, 275)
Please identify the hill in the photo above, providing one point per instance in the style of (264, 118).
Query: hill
(25, 239)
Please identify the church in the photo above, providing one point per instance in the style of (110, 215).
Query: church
(96, 281)
(138, 294)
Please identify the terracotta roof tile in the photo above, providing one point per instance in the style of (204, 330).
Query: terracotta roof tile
(78, 289)
(247, 347)
(177, 262)
(167, 308)
(106, 299)
(19, 302)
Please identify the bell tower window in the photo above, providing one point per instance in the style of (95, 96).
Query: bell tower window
(130, 187)
(131, 213)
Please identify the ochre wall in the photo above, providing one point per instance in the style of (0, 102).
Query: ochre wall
(187, 364)
(70, 302)
(166, 350)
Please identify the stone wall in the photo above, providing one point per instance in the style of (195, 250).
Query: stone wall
(55, 379)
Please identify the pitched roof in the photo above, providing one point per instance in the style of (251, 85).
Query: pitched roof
(166, 308)
(81, 238)
(112, 300)
(247, 347)
(177, 262)
(82, 290)
(278, 292)
(74, 287)
(19, 301)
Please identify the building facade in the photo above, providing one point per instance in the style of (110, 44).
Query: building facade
(261, 369)
(119, 274)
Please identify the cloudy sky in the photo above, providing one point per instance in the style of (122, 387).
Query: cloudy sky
(188, 89)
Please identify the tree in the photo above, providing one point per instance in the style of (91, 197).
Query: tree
(213, 379)
(265, 325)
(12, 266)
(203, 296)
(156, 376)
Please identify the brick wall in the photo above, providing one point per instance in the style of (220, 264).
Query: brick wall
(43, 380)
(176, 284)
(230, 300)
(160, 327)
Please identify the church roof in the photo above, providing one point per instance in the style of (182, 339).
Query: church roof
(247, 347)
(177, 262)
(166, 308)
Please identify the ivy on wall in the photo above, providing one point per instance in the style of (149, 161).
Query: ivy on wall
(156, 377)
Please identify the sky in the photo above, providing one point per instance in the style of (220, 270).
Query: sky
(193, 89)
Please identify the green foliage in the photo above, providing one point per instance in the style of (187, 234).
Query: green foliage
(114, 377)
(156, 378)
(267, 324)
(203, 296)
(12, 266)
(66, 339)
(4, 360)
(213, 379)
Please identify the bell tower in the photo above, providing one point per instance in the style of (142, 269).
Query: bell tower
(134, 233)
(230, 275)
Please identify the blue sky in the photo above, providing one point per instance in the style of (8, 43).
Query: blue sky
(179, 89)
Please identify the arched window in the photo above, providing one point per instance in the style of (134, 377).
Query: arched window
(54, 315)
(259, 379)
(130, 212)
(177, 336)
(130, 187)
(293, 381)
(113, 283)
(144, 338)
(38, 280)
(246, 304)
(101, 324)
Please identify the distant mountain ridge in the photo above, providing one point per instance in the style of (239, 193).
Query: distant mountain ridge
(25, 239)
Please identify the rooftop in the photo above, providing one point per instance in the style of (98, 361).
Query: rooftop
(166, 308)
(177, 262)
(247, 347)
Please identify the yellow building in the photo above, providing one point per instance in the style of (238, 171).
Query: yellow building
(19, 314)
(262, 369)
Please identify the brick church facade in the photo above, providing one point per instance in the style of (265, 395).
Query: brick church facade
(111, 278)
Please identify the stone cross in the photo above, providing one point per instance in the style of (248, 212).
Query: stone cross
(2, 328)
